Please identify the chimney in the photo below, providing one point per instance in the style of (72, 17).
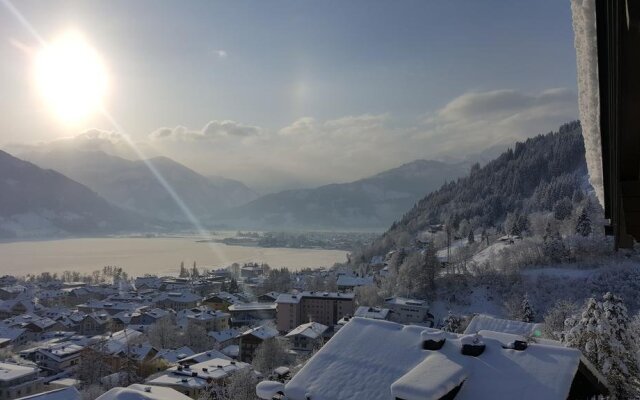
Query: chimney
(472, 345)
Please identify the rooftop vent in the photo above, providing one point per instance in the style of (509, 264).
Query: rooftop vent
(194, 374)
(147, 389)
(518, 345)
(472, 345)
(185, 380)
(205, 370)
(233, 363)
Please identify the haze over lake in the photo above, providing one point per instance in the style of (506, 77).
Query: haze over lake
(139, 256)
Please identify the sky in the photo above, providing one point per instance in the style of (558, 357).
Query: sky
(283, 94)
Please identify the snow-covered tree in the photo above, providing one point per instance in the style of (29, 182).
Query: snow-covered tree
(451, 323)
(562, 209)
(583, 225)
(554, 319)
(471, 238)
(526, 311)
(271, 354)
(553, 245)
(163, 334)
(240, 386)
(603, 333)
(196, 338)
(233, 286)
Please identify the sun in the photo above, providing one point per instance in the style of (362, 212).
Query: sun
(71, 77)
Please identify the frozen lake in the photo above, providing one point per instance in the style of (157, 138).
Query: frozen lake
(139, 256)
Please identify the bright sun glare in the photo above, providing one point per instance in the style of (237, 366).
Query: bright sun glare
(71, 77)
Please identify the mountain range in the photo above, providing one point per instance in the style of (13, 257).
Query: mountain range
(369, 203)
(36, 202)
(132, 184)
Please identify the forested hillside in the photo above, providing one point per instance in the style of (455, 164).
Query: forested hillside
(541, 174)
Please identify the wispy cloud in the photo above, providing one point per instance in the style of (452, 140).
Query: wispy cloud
(221, 53)
(310, 151)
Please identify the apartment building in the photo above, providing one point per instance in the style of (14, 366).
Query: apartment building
(322, 307)
(19, 381)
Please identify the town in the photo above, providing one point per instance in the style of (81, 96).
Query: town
(229, 333)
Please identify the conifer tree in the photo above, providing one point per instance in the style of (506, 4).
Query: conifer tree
(603, 333)
(583, 225)
(526, 310)
(451, 323)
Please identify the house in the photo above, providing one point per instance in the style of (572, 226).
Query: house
(251, 339)
(202, 357)
(247, 314)
(193, 379)
(381, 360)
(109, 307)
(269, 297)
(323, 307)
(147, 282)
(203, 316)
(173, 356)
(221, 301)
(11, 292)
(11, 308)
(18, 381)
(149, 316)
(93, 324)
(408, 311)
(348, 282)
(59, 357)
(226, 337)
(68, 393)
(372, 312)
(142, 392)
(483, 322)
(11, 336)
(307, 337)
(177, 301)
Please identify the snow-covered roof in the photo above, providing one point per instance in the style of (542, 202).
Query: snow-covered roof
(175, 355)
(196, 375)
(252, 307)
(262, 332)
(233, 350)
(296, 297)
(68, 393)
(267, 389)
(586, 44)
(202, 357)
(10, 333)
(485, 322)
(376, 359)
(312, 330)
(223, 336)
(371, 312)
(10, 372)
(353, 281)
(405, 302)
(143, 392)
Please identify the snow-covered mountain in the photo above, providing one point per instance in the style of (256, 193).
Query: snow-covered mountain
(35, 202)
(370, 203)
(132, 185)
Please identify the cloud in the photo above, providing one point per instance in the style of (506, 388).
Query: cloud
(212, 131)
(311, 151)
(221, 53)
(477, 120)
